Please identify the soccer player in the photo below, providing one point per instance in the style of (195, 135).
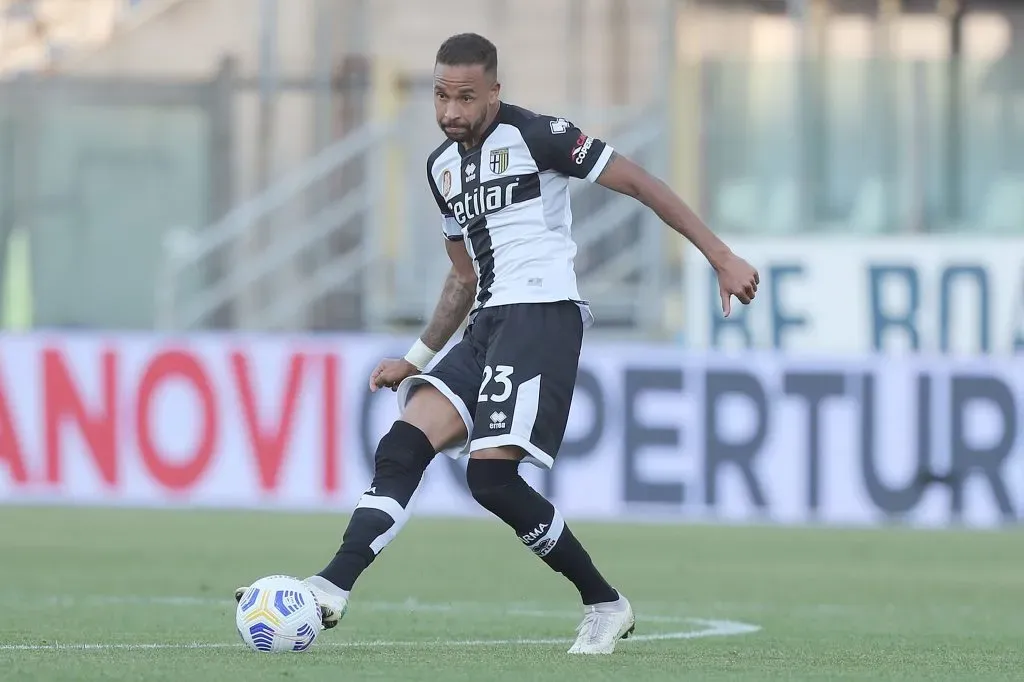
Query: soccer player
(502, 394)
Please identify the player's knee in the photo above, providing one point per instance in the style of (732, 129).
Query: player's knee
(405, 451)
(510, 452)
(433, 414)
(489, 479)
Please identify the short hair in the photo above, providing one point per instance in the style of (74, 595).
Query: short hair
(469, 49)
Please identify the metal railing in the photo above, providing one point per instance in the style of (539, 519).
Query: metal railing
(188, 254)
(621, 261)
(256, 260)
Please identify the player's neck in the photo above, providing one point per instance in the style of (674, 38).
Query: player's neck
(488, 122)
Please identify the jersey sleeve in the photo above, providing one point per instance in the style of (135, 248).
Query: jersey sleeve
(450, 229)
(449, 226)
(556, 144)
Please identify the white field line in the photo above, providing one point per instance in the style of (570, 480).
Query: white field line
(708, 628)
(701, 627)
(521, 608)
(406, 606)
(718, 608)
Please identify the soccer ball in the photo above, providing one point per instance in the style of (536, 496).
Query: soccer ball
(277, 614)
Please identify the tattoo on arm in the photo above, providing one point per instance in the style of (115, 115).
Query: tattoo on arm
(456, 302)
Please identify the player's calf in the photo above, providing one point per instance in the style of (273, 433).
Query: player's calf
(402, 457)
(498, 487)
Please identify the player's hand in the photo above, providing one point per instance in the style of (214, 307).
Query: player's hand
(390, 373)
(736, 277)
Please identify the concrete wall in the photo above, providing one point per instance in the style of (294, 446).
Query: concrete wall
(550, 59)
(191, 37)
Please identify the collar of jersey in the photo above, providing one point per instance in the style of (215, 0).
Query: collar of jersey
(490, 129)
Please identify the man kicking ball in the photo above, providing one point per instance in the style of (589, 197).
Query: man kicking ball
(502, 394)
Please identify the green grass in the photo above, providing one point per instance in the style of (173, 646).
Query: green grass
(830, 605)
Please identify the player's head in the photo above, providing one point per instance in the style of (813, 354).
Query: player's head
(466, 87)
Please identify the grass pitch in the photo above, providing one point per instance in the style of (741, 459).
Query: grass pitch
(148, 595)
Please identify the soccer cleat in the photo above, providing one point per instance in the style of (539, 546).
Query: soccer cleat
(603, 626)
(332, 607)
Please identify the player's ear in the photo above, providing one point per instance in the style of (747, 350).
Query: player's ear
(495, 92)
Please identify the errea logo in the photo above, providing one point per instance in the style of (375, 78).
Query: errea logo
(498, 420)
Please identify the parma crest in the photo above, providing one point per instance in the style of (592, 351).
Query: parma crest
(499, 160)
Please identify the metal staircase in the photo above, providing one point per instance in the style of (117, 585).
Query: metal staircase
(350, 240)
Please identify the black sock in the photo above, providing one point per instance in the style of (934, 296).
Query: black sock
(498, 487)
(402, 457)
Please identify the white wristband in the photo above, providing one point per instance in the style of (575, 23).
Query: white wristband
(420, 355)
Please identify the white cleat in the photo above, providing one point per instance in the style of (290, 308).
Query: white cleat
(603, 626)
(332, 606)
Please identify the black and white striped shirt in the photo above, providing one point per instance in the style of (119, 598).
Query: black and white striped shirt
(508, 197)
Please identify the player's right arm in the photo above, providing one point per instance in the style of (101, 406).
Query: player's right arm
(451, 310)
(459, 286)
(456, 298)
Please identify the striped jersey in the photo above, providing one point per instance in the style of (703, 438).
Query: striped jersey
(508, 198)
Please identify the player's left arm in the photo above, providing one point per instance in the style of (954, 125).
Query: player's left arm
(559, 145)
(736, 277)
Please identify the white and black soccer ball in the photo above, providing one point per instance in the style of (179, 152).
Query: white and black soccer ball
(278, 614)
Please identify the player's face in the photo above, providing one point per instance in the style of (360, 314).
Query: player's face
(463, 97)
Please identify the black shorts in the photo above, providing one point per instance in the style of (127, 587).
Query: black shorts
(511, 378)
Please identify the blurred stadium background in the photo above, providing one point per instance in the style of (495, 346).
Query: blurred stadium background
(180, 173)
(214, 217)
(214, 220)
(255, 164)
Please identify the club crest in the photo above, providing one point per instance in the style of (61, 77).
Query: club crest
(499, 161)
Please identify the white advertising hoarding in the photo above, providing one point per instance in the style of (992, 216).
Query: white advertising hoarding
(935, 294)
(287, 422)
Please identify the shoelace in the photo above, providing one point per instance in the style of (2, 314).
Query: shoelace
(594, 625)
